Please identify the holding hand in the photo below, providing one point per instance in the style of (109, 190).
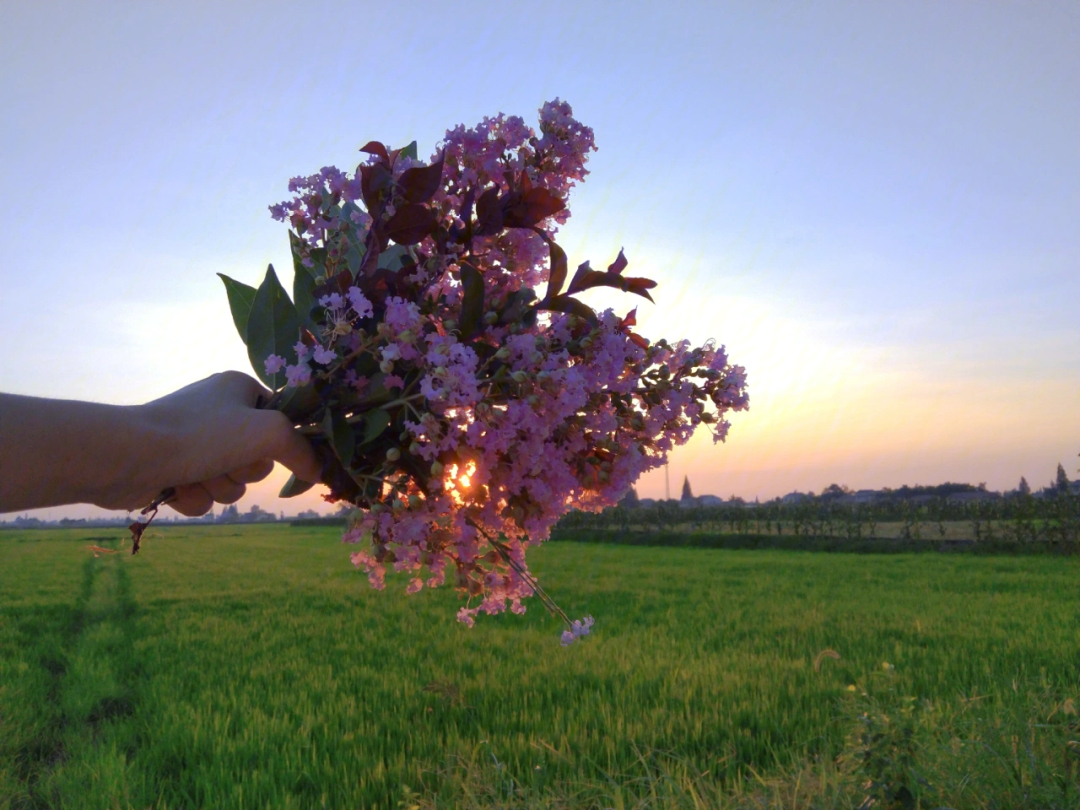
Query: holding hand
(207, 441)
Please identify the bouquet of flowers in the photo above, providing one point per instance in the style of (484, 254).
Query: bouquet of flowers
(461, 398)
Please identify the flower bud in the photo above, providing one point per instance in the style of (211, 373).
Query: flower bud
(407, 336)
(519, 376)
(393, 454)
(436, 468)
(450, 324)
(502, 353)
(491, 317)
(376, 508)
(414, 448)
(533, 400)
(414, 501)
(386, 366)
(383, 329)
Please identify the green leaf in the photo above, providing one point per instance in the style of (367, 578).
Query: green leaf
(348, 209)
(304, 296)
(340, 433)
(272, 327)
(298, 249)
(294, 486)
(299, 404)
(409, 151)
(391, 258)
(375, 423)
(354, 258)
(472, 302)
(240, 298)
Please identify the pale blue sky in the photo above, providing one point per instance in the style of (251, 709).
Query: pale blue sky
(876, 206)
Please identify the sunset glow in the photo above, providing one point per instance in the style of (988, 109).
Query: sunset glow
(873, 207)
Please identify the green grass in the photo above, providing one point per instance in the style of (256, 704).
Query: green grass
(237, 667)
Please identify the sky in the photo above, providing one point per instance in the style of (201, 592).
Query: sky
(874, 206)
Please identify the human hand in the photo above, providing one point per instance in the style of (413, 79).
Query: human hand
(214, 441)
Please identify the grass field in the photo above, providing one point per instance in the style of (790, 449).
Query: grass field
(251, 667)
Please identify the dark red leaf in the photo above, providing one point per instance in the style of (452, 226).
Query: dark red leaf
(376, 148)
(541, 204)
(526, 209)
(338, 283)
(420, 183)
(410, 224)
(373, 180)
(618, 265)
(638, 340)
(526, 181)
(472, 301)
(640, 286)
(564, 303)
(557, 277)
(582, 276)
(630, 319)
(467, 203)
(136, 530)
(365, 185)
(371, 256)
(489, 215)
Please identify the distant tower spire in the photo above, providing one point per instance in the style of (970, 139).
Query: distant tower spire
(687, 495)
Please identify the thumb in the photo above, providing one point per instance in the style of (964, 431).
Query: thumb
(292, 450)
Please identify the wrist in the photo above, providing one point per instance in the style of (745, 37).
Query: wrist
(130, 461)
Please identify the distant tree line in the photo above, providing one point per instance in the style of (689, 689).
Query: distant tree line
(1021, 519)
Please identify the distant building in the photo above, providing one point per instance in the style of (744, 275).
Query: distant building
(646, 501)
(709, 500)
(793, 498)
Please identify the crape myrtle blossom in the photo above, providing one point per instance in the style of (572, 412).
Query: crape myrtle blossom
(274, 364)
(462, 399)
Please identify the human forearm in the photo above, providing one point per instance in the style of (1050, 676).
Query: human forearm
(207, 441)
(61, 451)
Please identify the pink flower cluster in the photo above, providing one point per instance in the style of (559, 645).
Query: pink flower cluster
(469, 409)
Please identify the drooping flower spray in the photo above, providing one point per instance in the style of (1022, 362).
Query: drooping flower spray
(462, 399)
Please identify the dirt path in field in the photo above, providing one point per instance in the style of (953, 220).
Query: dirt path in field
(93, 678)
